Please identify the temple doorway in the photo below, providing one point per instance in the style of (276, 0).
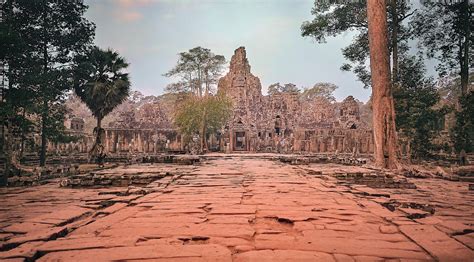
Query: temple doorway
(240, 143)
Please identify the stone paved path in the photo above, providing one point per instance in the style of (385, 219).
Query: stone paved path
(240, 210)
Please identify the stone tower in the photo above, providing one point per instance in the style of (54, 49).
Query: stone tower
(349, 113)
(244, 89)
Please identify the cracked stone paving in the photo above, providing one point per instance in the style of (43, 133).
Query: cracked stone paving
(238, 209)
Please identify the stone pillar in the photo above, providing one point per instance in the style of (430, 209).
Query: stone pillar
(114, 141)
(119, 142)
(107, 142)
(247, 141)
(332, 143)
(344, 144)
(140, 143)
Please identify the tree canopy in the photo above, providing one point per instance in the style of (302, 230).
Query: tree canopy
(418, 117)
(42, 38)
(286, 88)
(101, 81)
(198, 71)
(332, 18)
(324, 90)
(444, 33)
(463, 131)
(192, 111)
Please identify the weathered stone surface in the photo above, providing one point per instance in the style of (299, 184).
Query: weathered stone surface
(66, 244)
(440, 246)
(467, 239)
(282, 255)
(240, 208)
(27, 250)
(39, 235)
(25, 227)
(165, 252)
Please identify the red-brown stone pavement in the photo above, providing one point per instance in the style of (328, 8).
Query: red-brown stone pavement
(239, 209)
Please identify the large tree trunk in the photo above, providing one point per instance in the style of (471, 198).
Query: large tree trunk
(5, 155)
(45, 109)
(23, 137)
(394, 41)
(44, 139)
(385, 139)
(465, 49)
(204, 127)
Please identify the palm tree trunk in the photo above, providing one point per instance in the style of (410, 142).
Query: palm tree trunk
(385, 139)
(98, 128)
(95, 150)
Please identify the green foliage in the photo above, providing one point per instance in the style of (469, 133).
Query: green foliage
(192, 112)
(198, 71)
(332, 18)
(463, 131)
(417, 118)
(55, 129)
(325, 90)
(101, 81)
(218, 111)
(278, 88)
(39, 41)
(444, 31)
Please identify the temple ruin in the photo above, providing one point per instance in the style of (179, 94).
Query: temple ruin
(280, 122)
(285, 122)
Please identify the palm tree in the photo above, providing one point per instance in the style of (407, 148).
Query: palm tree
(102, 84)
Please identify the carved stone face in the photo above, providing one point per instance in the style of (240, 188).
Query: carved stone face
(239, 81)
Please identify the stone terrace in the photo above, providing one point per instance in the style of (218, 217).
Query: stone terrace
(242, 209)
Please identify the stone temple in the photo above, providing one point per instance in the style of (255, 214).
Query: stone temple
(285, 122)
(280, 122)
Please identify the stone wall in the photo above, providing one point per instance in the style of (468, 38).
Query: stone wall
(121, 140)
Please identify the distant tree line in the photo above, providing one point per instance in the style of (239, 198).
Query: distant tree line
(323, 90)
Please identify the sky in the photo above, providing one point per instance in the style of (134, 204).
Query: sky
(151, 33)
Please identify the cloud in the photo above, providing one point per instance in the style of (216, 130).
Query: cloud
(129, 16)
(134, 3)
(129, 10)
